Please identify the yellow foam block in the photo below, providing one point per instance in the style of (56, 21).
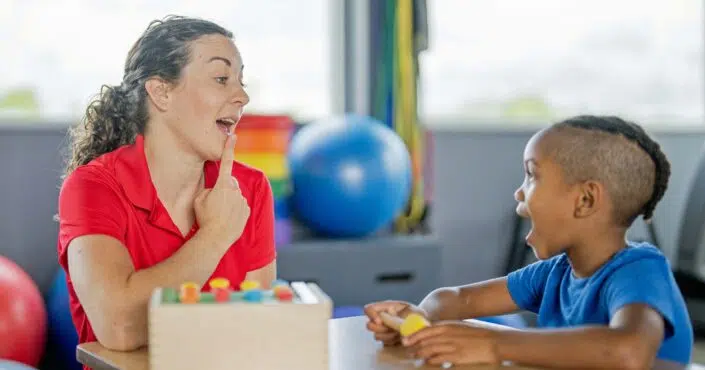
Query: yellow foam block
(412, 324)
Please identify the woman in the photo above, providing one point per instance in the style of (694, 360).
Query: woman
(152, 196)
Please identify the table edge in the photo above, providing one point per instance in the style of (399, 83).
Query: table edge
(87, 358)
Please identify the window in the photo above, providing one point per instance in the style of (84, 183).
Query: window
(58, 54)
(503, 60)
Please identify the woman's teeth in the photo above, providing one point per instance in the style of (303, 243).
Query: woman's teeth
(225, 125)
(227, 121)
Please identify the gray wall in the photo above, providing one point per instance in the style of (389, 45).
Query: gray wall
(30, 170)
(476, 172)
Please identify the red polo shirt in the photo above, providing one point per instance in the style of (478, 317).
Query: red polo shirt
(114, 195)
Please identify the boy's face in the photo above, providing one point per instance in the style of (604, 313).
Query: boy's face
(546, 199)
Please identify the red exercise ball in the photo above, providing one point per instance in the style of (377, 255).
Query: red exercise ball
(22, 316)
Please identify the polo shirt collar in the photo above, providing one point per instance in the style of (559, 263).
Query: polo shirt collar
(133, 173)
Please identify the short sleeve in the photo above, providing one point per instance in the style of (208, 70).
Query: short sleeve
(643, 281)
(88, 204)
(526, 285)
(262, 251)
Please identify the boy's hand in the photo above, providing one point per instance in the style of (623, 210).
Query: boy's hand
(384, 334)
(453, 342)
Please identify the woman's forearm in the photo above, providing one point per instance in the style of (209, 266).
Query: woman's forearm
(195, 262)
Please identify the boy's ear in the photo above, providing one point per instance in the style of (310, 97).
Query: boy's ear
(591, 196)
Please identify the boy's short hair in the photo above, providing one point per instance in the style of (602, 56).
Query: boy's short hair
(617, 153)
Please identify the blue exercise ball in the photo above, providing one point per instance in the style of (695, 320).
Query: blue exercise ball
(351, 175)
(63, 338)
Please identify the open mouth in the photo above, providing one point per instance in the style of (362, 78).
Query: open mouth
(226, 125)
(529, 237)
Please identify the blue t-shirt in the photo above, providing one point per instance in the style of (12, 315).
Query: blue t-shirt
(637, 274)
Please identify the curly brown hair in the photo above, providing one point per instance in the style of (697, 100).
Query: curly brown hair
(119, 113)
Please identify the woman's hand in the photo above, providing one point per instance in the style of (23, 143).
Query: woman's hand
(383, 333)
(222, 210)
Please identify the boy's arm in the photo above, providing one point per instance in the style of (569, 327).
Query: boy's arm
(486, 298)
(520, 290)
(631, 341)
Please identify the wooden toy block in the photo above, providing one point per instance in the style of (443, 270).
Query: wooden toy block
(285, 327)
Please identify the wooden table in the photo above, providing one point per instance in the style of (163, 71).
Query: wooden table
(352, 347)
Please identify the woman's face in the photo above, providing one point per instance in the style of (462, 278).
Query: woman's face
(209, 99)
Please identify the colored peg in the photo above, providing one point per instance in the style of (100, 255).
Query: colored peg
(249, 285)
(170, 295)
(252, 295)
(220, 287)
(279, 283)
(283, 294)
(190, 293)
